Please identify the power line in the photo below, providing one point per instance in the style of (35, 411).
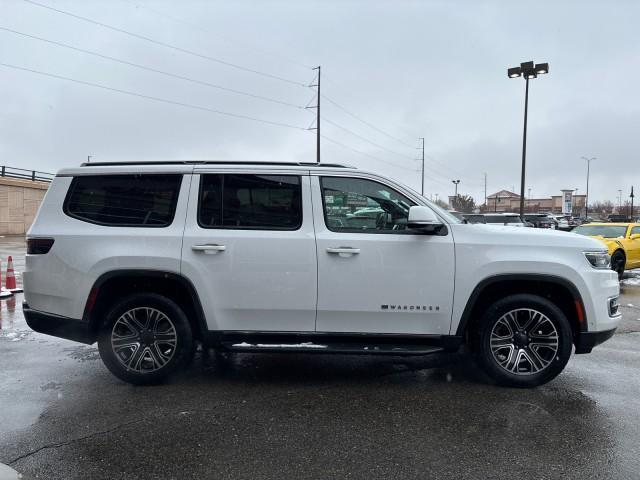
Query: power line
(334, 103)
(366, 139)
(150, 97)
(168, 45)
(209, 31)
(154, 70)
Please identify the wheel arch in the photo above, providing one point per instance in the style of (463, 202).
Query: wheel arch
(118, 283)
(559, 290)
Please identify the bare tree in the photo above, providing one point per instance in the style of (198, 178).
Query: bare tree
(464, 203)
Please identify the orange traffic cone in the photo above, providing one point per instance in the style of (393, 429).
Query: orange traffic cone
(10, 278)
(4, 293)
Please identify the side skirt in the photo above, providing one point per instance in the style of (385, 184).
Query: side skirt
(337, 343)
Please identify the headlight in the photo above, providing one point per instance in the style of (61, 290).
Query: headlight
(598, 259)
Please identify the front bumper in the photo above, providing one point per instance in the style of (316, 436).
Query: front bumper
(59, 326)
(585, 341)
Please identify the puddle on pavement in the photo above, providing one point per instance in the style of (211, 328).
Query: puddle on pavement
(12, 324)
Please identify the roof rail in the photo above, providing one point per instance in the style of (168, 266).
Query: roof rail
(213, 162)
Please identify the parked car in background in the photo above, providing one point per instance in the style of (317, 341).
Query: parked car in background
(617, 218)
(563, 222)
(539, 220)
(474, 218)
(511, 219)
(622, 240)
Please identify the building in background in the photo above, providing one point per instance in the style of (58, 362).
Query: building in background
(21, 192)
(567, 203)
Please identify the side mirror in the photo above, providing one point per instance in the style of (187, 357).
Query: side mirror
(635, 236)
(424, 220)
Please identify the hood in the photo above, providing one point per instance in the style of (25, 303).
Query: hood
(504, 235)
(612, 244)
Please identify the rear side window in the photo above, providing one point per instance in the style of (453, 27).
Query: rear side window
(258, 202)
(124, 200)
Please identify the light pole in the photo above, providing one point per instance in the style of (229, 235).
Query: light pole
(529, 71)
(586, 198)
(619, 201)
(455, 182)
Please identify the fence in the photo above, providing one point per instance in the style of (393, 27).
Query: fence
(21, 173)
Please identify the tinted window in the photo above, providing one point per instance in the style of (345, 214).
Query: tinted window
(503, 219)
(124, 200)
(262, 202)
(355, 204)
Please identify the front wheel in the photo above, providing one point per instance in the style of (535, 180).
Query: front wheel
(618, 262)
(522, 341)
(145, 338)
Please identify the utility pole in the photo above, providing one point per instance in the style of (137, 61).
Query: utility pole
(631, 196)
(485, 191)
(89, 158)
(586, 199)
(317, 116)
(422, 190)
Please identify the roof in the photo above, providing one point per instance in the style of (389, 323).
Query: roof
(504, 194)
(191, 166)
(214, 162)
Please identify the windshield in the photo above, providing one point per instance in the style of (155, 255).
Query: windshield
(606, 231)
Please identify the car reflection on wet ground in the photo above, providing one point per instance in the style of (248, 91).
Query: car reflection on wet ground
(62, 415)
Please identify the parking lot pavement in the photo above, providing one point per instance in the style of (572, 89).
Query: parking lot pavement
(63, 415)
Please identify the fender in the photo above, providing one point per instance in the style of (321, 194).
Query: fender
(156, 274)
(477, 291)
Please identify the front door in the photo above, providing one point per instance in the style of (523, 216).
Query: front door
(249, 249)
(375, 275)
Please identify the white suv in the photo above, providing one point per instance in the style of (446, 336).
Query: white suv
(148, 259)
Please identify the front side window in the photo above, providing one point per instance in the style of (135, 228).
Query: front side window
(258, 202)
(360, 205)
(635, 231)
(140, 200)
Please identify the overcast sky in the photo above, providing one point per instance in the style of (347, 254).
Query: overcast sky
(433, 69)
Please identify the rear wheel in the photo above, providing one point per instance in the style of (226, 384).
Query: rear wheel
(618, 261)
(145, 338)
(523, 341)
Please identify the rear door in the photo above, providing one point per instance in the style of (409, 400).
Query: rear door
(374, 275)
(249, 249)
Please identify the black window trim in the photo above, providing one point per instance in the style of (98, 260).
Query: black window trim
(263, 174)
(357, 230)
(76, 179)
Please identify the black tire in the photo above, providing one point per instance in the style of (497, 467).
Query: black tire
(148, 355)
(531, 348)
(618, 262)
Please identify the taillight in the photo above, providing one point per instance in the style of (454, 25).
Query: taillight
(39, 246)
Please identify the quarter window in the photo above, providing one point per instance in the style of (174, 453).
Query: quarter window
(124, 200)
(258, 202)
(360, 205)
(635, 230)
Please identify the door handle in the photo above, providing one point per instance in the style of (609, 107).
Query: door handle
(208, 248)
(343, 250)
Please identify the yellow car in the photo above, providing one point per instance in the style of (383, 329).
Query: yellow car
(622, 240)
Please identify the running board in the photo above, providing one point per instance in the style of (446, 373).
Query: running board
(335, 348)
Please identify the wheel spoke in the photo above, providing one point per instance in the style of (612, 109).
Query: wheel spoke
(144, 339)
(524, 341)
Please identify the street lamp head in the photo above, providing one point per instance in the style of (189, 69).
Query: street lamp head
(526, 65)
(514, 72)
(529, 74)
(542, 68)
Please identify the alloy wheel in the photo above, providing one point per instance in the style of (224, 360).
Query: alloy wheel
(524, 341)
(144, 339)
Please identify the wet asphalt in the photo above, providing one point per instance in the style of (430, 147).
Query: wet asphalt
(63, 415)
